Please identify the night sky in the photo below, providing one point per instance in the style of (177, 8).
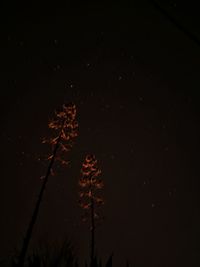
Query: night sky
(134, 77)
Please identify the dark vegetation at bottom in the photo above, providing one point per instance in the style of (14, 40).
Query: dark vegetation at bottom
(55, 256)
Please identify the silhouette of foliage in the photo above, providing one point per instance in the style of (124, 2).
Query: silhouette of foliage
(66, 130)
(90, 185)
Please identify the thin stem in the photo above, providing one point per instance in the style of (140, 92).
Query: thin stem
(92, 231)
(37, 206)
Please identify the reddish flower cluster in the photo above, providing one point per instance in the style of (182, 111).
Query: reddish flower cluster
(66, 128)
(90, 183)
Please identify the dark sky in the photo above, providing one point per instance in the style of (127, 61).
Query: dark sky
(134, 77)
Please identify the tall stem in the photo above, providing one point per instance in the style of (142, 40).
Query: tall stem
(92, 232)
(37, 206)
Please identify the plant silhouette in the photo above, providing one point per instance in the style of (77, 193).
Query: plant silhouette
(65, 127)
(89, 199)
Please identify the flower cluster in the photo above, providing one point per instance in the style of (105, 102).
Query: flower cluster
(90, 185)
(66, 130)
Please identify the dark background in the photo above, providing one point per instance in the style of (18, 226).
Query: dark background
(133, 72)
